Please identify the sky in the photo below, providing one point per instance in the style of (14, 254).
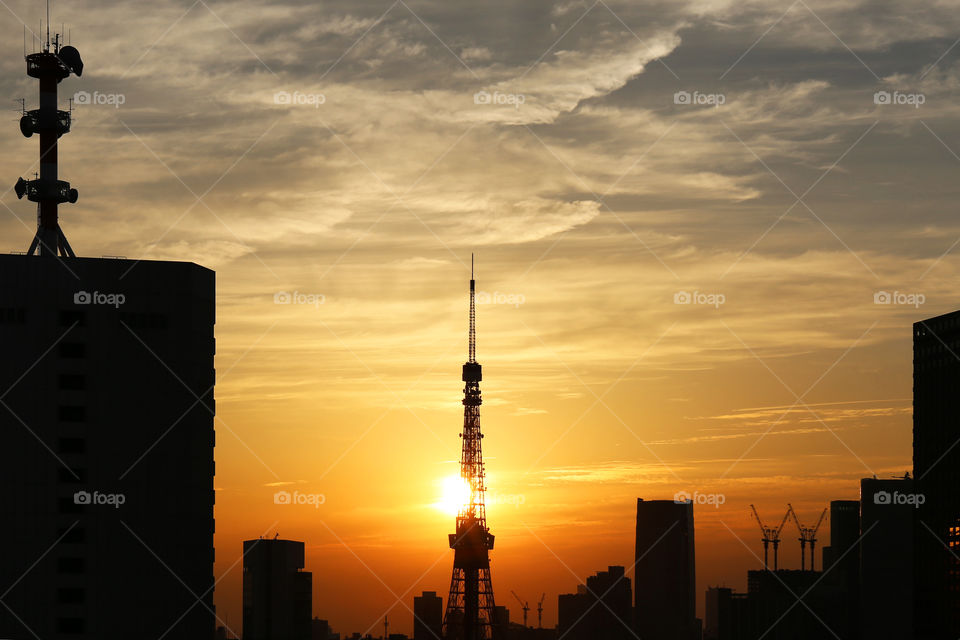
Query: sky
(702, 232)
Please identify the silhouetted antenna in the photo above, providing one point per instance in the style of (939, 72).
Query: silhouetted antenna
(473, 316)
(47, 189)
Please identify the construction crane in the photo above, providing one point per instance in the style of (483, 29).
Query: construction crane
(540, 612)
(524, 605)
(770, 535)
(807, 535)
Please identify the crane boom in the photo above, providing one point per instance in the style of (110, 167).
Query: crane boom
(783, 522)
(523, 605)
(820, 521)
(756, 516)
(793, 513)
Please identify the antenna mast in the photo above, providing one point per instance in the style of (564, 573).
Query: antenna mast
(473, 316)
(47, 190)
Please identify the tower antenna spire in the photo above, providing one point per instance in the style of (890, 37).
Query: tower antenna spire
(473, 316)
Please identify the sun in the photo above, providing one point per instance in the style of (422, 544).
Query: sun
(454, 493)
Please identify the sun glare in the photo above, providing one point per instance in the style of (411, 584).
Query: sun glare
(455, 492)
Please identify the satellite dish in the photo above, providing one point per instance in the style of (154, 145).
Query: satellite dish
(71, 57)
(20, 188)
(74, 194)
(26, 126)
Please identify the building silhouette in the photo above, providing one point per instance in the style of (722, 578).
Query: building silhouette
(599, 609)
(106, 448)
(277, 593)
(841, 564)
(886, 558)
(665, 571)
(936, 467)
(320, 630)
(428, 616)
(726, 614)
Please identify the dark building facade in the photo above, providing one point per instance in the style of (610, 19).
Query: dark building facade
(277, 592)
(886, 558)
(106, 448)
(841, 564)
(428, 616)
(726, 615)
(794, 605)
(599, 609)
(936, 467)
(665, 571)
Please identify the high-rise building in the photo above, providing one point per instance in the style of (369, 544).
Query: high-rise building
(665, 571)
(428, 616)
(319, 629)
(841, 563)
(936, 467)
(886, 557)
(726, 615)
(277, 592)
(599, 609)
(791, 604)
(106, 448)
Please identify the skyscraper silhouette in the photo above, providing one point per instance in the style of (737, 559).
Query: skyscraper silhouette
(277, 593)
(665, 571)
(470, 606)
(936, 468)
(428, 616)
(106, 448)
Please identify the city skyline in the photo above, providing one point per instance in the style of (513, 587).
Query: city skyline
(703, 234)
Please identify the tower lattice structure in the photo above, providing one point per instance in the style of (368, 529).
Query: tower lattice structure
(470, 606)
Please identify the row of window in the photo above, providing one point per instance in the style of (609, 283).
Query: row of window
(134, 320)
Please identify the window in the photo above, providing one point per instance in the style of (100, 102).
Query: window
(71, 595)
(73, 350)
(72, 381)
(76, 535)
(72, 445)
(71, 476)
(71, 413)
(71, 318)
(70, 625)
(70, 565)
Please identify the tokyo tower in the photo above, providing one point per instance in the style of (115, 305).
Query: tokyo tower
(470, 607)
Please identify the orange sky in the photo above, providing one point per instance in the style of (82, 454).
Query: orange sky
(344, 152)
